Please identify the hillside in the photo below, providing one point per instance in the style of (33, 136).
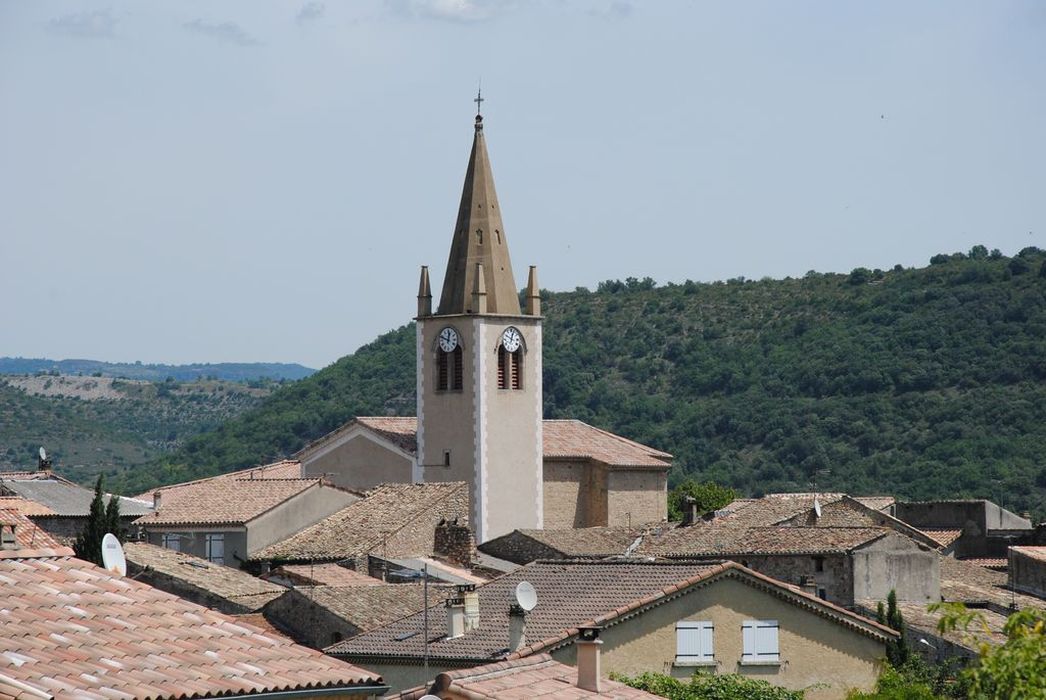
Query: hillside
(925, 382)
(223, 371)
(96, 424)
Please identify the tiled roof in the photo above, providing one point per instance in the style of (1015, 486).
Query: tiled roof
(852, 512)
(943, 537)
(285, 469)
(572, 439)
(536, 676)
(27, 533)
(24, 506)
(71, 629)
(233, 585)
(368, 607)
(570, 593)
(774, 508)
(1037, 553)
(323, 575)
(967, 582)
(996, 563)
(918, 617)
(713, 540)
(67, 499)
(876, 502)
(571, 542)
(362, 526)
(563, 439)
(223, 501)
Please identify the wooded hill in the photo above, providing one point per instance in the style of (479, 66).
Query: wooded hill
(924, 383)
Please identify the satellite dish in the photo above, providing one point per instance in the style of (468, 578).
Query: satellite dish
(526, 596)
(43, 454)
(112, 555)
(817, 507)
(430, 697)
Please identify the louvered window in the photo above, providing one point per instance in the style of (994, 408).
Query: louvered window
(759, 639)
(450, 370)
(694, 643)
(510, 369)
(215, 548)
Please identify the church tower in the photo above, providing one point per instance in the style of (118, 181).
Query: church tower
(479, 368)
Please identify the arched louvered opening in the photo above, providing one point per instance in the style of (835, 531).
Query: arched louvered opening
(450, 370)
(510, 368)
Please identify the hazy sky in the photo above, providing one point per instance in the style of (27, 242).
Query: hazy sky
(246, 181)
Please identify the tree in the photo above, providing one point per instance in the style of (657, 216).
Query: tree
(1017, 668)
(100, 520)
(708, 496)
(897, 652)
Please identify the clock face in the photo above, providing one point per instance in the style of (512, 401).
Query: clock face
(511, 339)
(448, 339)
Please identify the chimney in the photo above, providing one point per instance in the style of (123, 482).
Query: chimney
(8, 540)
(455, 616)
(517, 628)
(808, 584)
(157, 496)
(455, 542)
(690, 514)
(588, 663)
(471, 607)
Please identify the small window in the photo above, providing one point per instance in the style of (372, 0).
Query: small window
(510, 368)
(818, 564)
(171, 541)
(215, 548)
(336, 637)
(759, 638)
(694, 643)
(450, 370)
(446, 458)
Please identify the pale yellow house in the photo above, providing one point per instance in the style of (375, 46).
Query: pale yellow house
(668, 617)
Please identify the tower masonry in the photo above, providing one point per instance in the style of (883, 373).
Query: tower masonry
(479, 368)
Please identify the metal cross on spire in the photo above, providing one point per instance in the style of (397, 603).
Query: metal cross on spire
(479, 101)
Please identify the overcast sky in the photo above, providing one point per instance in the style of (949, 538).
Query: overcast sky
(246, 181)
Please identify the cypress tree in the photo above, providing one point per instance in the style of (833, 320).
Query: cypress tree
(897, 652)
(88, 545)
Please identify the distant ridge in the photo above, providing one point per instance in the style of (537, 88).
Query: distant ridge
(225, 371)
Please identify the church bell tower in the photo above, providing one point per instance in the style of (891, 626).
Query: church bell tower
(479, 367)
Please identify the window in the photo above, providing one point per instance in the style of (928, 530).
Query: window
(759, 638)
(450, 370)
(446, 458)
(694, 643)
(216, 548)
(818, 564)
(822, 593)
(510, 368)
(171, 541)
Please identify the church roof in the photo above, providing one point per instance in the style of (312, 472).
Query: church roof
(479, 238)
(562, 439)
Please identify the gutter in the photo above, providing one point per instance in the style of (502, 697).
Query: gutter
(376, 690)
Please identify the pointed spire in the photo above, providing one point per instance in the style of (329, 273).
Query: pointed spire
(479, 237)
(533, 295)
(424, 293)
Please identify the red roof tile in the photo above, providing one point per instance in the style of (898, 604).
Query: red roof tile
(1037, 553)
(521, 679)
(323, 575)
(223, 501)
(28, 534)
(285, 469)
(74, 630)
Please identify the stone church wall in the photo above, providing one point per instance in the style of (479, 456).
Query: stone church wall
(360, 463)
(636, 497)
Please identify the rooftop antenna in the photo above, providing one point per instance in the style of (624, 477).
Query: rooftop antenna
(113, 558)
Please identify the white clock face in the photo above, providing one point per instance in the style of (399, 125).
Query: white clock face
(511, 339)
(448, 339)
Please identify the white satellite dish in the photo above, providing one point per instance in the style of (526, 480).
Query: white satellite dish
(817, 507)
(430, 697)
(526, 596)
(112, 555)
(43, 454)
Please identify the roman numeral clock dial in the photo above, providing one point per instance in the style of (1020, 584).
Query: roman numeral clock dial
(448, 339)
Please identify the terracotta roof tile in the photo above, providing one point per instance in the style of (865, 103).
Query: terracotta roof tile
(368, 607)
(237, 587)
(1037, 553)
(223, 501)
(362, 526)
(563, 439)
(285, 469)
(943, 537)
(28, 534)
(536, 676)
(124, 638)
(322, 575)
(24, 506)
(722, 540)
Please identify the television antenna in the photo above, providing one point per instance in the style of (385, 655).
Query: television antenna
(526, 596)
(113, 558)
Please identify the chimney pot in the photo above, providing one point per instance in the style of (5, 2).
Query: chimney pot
(517, 628)
(471, 609)
(589, 673)
(455, 617)
(157, 496)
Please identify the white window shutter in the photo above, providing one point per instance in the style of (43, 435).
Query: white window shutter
(748, 639)
(694, 641)
(707, 648)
